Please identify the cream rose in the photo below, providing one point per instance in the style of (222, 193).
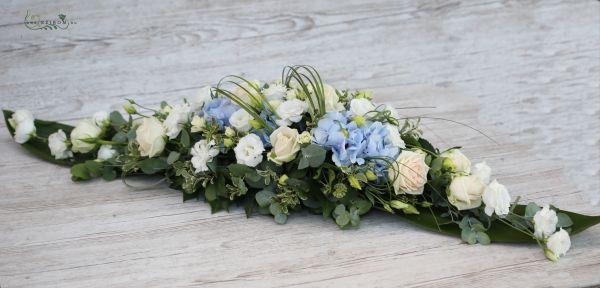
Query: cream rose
(409, 173)
(460, 161)
(285, 145)
(249, 150)
(57, 142)
(84, 135)
(465, 192)
(150, 137)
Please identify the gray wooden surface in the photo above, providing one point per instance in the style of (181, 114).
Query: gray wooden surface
(526, 72)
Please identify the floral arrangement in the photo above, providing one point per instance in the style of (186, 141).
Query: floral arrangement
(299, 144)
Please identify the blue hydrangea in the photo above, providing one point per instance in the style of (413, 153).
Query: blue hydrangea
(219, 110)
(351, 144)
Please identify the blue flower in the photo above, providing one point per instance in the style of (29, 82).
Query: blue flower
(219, 110)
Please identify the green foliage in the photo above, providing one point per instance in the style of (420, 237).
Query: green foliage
(312, 156)
(153, 165)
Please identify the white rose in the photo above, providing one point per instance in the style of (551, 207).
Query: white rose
(559, 243)
(544, 221)
(85, 132)
(394, 136)
(285, 145)
(106, 152)
(22, 122)
(361, 106)
(150, 137)
(202, 153)
(57, 142)
(203, 96)
(240, 120)
(101, 118)
(460, 161)
(276, 91)
(482, 171)
(198, 123)
(496, 199)
(290, 111)
(465, 192)
(409, 173)
(178, 116)
(249, 150)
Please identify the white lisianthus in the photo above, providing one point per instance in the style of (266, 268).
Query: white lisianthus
(460, 161)
(285, 145)
(249, 150)
(150, 136)
(291, 94)
(558, 244)
(544, 221)
(22, 122)
(242, 92)
(106, 152)
(393, 111)
(198, 123)
(276, 91)
(83, 136)
(465, 192)
(482, 171)
(332, 100)
(101, 118)
(178, 116)
(240, 120)
(202, 153)
(203, 96)
(291, 111)
(361, 106)
(496, 199)
(394, 136)
(57, 142)
(409, 173)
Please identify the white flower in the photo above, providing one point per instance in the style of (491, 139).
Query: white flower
(290, 111)
(482, 171)
(305, 138)
(22, 122)
(198, 123)
(559, 243)
(394, 136)
(203, 96)
(242, 92)
(291, 94)
(202, 153)
(496, 199)
(178, 116)
(393, 111)
(460, 161)
(409, 173)
(465, 192)
(249, 150)
(285, 145)
(83, 136)
(106, 152)
(545, 221)
(240, 120)
(332, 100)
(361, 106)
(57, 142)
(150, 137)
(276, 91)
(101, 118)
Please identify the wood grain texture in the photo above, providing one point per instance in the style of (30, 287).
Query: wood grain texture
(512, 68)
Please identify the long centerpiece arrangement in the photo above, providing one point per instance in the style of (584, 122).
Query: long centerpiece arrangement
(299, 144)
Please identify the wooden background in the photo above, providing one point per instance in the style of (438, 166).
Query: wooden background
(526, 72)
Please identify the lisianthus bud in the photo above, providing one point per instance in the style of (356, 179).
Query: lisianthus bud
(198, 123)
(396, 204)
(229, 132)
(359, 120)
(255, 124)
(550, 255)
(354, 182)
(304, 138)
(448, 165)
(129, 109)
(227, 142)
(371, 175)
(283, 179)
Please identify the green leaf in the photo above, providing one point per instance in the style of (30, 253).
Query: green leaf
(564, 220)
(173, 156)
(94, 168)
(531, 209)
(483, 238)
(363, 206)
(116, 119)
(108, 173)
(153, 165)
(275, 208)
(80, 172)
(339, 210)
(343, 219)
(280, 218)
(210, 194)
(312, 155)
(264, 197)
(468, 236)
(185, 138)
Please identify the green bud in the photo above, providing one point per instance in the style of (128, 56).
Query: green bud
(304, 138)
(283, 179)
(339, 190)
(364, 94)
(371, 175)
(550, 255)
(229, 132)
(397, 204)
(448, 165)
(255, 124)
(227, 142)
(129, 109)
(388, 208)
(354, 182)
(359, 120)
